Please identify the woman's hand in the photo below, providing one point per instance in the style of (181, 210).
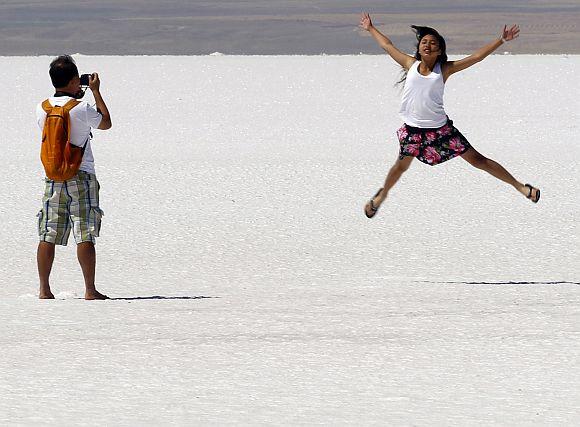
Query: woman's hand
(401, 58)
(365, 22)
(511, 33)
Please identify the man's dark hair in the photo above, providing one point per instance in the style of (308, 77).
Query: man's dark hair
(62, 70)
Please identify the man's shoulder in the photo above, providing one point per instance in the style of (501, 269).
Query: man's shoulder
(60, 101)
(40, 105)
(82, 105)
(81, 110)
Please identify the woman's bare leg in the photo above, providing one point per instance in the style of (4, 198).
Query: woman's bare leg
(400, 166)
(473, 157)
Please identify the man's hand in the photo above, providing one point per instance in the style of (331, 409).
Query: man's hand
(94, 85)
(511, 33)
(365, 22)
(94, 82)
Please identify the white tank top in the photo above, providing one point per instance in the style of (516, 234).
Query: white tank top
(422, 104)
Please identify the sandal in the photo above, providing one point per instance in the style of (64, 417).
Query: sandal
(529, 196)
(373, 210)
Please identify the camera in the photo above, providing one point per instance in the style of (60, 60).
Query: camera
(85, 79)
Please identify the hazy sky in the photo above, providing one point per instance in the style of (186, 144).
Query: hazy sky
(274, 26)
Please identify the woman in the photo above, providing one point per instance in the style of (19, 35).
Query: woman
(428, 133)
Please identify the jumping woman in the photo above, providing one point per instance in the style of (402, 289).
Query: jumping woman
(427, 133)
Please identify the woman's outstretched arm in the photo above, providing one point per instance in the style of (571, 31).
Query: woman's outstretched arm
(403, 59)
(455, 66)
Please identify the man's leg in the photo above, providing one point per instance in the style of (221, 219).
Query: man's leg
(44, 259)
(83, 189)
(473, 157)
(87, 257)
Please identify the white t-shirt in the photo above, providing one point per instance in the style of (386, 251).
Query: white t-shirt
(83, 117)
(422, 104)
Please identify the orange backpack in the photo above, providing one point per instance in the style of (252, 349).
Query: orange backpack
(60, 158)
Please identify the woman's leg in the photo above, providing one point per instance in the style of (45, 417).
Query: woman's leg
(400, 166)
(473, 157)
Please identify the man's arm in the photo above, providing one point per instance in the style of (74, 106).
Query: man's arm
(94, 85)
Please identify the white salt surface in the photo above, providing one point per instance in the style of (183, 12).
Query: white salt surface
(251, 289)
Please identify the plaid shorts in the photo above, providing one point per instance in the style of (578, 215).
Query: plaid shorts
(72, 204)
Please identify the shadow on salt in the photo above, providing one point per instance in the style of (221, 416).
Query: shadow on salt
(563, 282)
(160, 297)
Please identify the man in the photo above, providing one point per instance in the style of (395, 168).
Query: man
(72, 204)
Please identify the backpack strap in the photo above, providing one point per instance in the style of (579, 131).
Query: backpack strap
(86, 142)
(46, 106)
(70, 105)
(66, 112)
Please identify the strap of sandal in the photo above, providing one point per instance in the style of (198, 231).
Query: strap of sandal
(536, 198)
(529, 196)
(373, 198)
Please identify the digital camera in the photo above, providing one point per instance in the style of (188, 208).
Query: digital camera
(85, 79)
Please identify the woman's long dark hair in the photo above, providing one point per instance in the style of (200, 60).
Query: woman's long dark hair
(421, 32)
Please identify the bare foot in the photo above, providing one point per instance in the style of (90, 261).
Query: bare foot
(45, 295)
(95, 295)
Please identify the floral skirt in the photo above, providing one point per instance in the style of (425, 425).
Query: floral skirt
(432, 146)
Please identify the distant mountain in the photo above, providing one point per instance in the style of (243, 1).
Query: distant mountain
(274, 26)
